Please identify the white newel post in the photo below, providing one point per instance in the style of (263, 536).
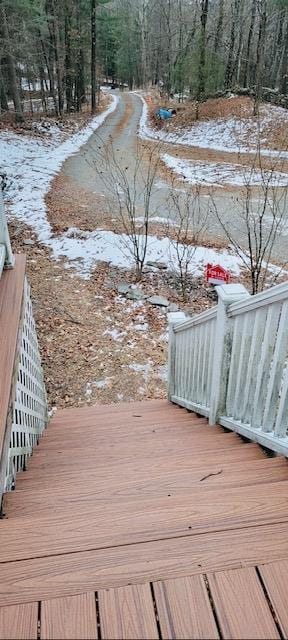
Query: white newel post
(227, 294)
(4, 236)
(173, 319)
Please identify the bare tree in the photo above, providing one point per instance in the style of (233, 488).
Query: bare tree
(260, 56)
(260, 220)
(202, 54)
(130, 192)
(188, 224)
(10, 63)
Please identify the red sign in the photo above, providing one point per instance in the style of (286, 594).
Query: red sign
(215, 274)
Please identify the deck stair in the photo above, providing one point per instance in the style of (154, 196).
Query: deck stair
(141, 520)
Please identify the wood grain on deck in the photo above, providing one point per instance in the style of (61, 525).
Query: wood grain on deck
(143, 501)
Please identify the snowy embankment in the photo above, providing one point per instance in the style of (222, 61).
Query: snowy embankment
(220, 174)
(30, 165)
(221, 134)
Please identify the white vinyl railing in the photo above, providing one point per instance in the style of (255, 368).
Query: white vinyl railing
(29, 403)
(231, 364)
(28, 414)
(193, 360)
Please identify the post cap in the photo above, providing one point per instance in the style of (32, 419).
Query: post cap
(229, 293)
(176, 316)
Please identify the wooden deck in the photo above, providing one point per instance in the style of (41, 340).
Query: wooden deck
(142, 521)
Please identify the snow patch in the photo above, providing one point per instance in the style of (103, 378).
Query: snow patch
(220, 174)
(115, 334)
(143, 369)
(83, 249)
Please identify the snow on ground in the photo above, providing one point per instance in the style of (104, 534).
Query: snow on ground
(84, 248)
(115, 334)
(31, 164)
(221, 134)
(146, 369)
(220, 174)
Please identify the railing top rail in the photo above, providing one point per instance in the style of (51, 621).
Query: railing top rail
(277, 293)
(206, 316)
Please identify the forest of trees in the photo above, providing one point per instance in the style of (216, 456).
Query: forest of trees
(61, 50)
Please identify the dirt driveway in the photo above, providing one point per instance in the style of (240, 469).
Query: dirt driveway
(88, 169)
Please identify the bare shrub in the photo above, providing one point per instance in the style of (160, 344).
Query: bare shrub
(130, 195)
(188, 220)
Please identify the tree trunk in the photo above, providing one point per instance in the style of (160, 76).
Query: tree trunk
(68, 60)
(80, 81)
(238, 57)
(283, 75)
(80, 76)
(11, 70)
(219, 28)
(58, 58)
(3, 96)
(276, 55)
(42, 85)
(260, 57)
(247, 65)
(93, 56)
(202, 53)
(50, 74)
(230, 62)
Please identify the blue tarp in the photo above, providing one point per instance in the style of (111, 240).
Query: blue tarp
(164, 114)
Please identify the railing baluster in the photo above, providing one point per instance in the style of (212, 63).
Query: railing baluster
(264, 364)
(199, 363)
(279, 359)
(246, 337)
(250, 379)
(233, 366)
(281, 425)
(196, 362)
(204, 372)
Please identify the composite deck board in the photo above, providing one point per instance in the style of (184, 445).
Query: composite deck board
(127, 613)
(206, 503)
(61, 575)
(82, 524)
(143, 433)
(275, 578)
(69, 618)
(128, 485)
(136, 408)
(154, 446)
(183, 461)
(242, 609)
(180, 456)
(11, 294)
(184, 609)
(19, 622)
(120, 497)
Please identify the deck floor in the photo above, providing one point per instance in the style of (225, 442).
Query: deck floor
(142, 521)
